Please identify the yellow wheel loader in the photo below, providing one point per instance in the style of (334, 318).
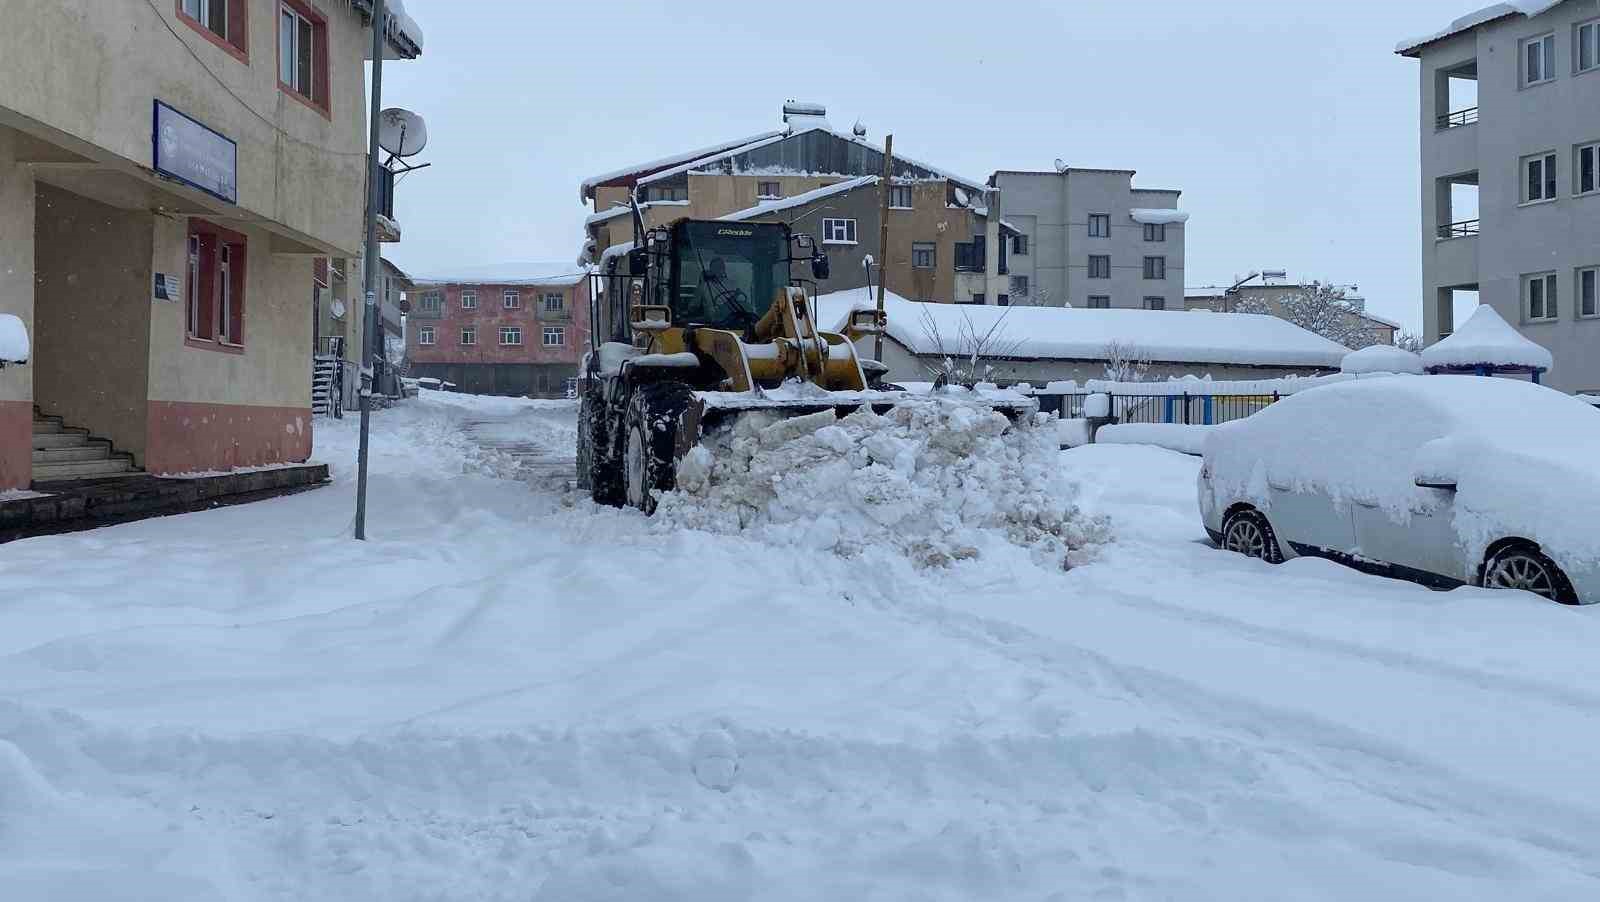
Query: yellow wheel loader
(700, 322)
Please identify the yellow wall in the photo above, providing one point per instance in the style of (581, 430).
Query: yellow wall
(92, 315)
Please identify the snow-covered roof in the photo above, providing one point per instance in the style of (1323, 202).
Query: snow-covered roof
(784, 203)
(1492, 13)
(586, 189)
(1065, 333)
(1381, 359)
(546, 272)
(1486, 340)
(1382, 320)
(1158, 217)
(402, 31)
(623, 209)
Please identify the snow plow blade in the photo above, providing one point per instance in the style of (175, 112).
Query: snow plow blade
(712, 409)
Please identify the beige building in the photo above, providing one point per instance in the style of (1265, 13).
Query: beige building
(169, 173)
(942, 245)
(1271, 295)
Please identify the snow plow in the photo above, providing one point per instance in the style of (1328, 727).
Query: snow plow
(698, 323)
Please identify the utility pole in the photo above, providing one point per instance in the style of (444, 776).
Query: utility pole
(369, 315)
(883, 241)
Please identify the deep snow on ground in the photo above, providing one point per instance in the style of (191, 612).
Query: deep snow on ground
(511, 694)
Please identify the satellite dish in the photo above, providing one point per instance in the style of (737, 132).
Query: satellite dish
(962, 198)
(860, 131)
(337, 309)
(1061, 165)
(404, 305)
(402, 132)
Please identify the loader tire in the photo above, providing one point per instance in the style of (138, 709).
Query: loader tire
(599, 464)
(650, 441)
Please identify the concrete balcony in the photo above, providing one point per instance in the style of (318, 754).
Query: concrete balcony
(1455, 258)
(1451, 150)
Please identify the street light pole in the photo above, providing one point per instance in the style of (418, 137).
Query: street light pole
(370, 311)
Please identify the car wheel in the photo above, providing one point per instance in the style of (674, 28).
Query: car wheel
(1248, 533)
(1525, 567)
(650, 451)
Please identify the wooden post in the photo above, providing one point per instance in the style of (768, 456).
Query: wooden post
(883, 240)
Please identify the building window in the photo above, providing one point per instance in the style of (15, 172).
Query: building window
(1540, 183)
(838, 231)
(511, 300)
(1539, 59)
(768, 190)
(1099, 302)
(1588, 283)
(215, 296)
(469, 335)
(1003, 300)
(923, 254)
(970, 256)
(510, 335)
(1099, 225)
(554, 303)
(425, 335)
(1155, 303)
(469, 300)
(554, 337)
(1588, 46)
(979, 298)
(1539, 292)
(430, 302)
(900, 197)
(1019, 286)
(221, 21)
(303, 53)
(1587, 169)
(1099, 266)
(1155, 267)
(1019, 245)
(1155, 231)
(666, 192)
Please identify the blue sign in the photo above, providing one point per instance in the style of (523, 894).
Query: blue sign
(193, 154)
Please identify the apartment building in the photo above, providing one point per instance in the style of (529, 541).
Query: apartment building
(517, 329)
(169, 173)
(943, 246)
(1088, 238)
(1510, 146)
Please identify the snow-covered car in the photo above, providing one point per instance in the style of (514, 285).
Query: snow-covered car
(1447, 480)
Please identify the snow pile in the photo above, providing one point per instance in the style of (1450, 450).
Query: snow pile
(937, 481)
(1381, 359)
(1158, 216)
(14, 346)
(1181, 437)
(1486, 339)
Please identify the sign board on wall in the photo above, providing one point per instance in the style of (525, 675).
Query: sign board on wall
(168, 287)
(195, 155)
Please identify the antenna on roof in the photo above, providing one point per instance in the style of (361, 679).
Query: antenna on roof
(859, 130)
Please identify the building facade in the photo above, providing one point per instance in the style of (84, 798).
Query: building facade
(1510, 148)
(942, 244)
(1088, 238)
(169, 173)
(497, 334)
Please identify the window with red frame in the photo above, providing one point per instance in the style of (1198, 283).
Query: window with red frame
(303, 53)
(223, 22)
(216, 290)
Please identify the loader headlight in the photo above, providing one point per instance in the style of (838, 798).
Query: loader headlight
(650, 318)
(865, 321)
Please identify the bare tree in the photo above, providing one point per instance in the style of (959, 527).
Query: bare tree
(1322, 308)
(1126, 362)
(1409, 341)
(966, 357)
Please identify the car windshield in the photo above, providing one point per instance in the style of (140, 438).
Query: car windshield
(728, 273)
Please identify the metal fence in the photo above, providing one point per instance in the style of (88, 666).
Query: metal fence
(1186, 408)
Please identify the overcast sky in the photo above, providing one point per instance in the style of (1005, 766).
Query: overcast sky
(1291, 128)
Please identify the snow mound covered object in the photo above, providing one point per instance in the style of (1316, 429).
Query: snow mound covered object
(935, 480)
(1486, 339)
(1381, 359)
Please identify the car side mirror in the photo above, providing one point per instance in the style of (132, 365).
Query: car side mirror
(638, 261)
(819, 267)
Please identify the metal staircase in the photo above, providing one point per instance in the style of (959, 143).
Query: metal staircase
(327, 378)
(69, 452)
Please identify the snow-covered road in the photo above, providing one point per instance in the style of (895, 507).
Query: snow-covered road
(512, 694)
